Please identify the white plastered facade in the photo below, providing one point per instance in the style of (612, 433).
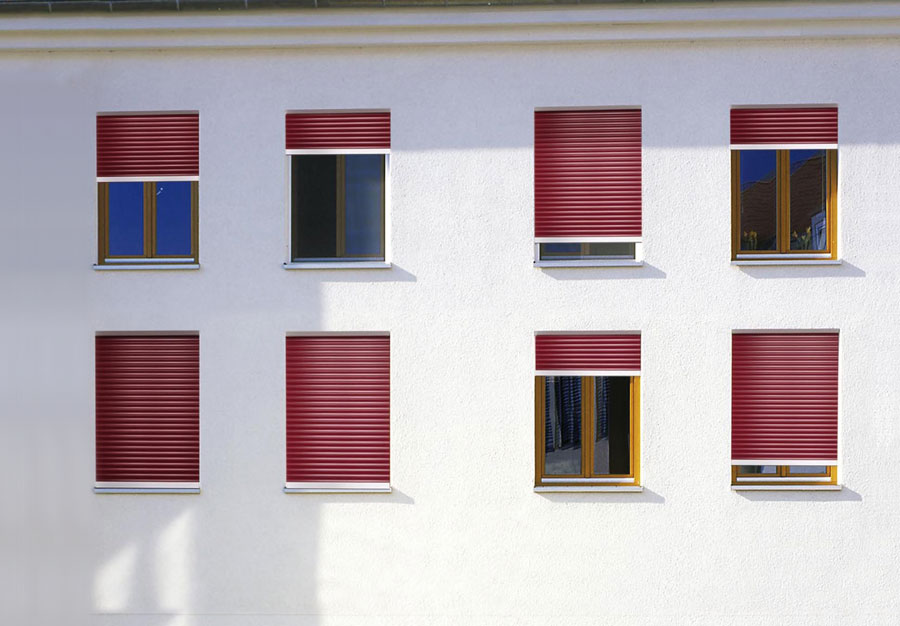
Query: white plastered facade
(462, 538)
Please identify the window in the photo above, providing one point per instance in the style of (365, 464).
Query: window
(587, 411)
(784, 409)
(338, 413)
(784, 184)
(587, 187)
(147, 412)
(339, 172)
(147, 173)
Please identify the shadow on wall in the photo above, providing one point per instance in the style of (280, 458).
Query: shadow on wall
(844, 270)
(844, 495)
(644, 497)
(604, 273)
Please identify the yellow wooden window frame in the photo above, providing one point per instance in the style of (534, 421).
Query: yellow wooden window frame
(149, 216)
(588, 396)
(784, 476)
(783, 209)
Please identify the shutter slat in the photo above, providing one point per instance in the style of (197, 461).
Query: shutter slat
(338, 409)
(148, 409)
(784, 396)
(813, 125)
(587, 173)
(337, 130)
(148, 145)
(588, 352)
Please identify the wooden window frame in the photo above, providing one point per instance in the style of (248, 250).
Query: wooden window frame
(783, 476)
(340, 207)
(587, 477)
(782, 208)
(149, 215)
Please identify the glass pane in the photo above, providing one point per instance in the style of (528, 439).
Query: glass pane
(758, 200)
(562, 425)
(808, 194)
(612, 425)
(173, 218)
(313, 207)
(363, 197)
(758, 469)
(808, 469)
(604, 250)
(126, 219)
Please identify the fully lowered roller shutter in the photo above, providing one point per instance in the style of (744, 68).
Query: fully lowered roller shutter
(338, 409)
(779, 126)
(784, 395)
(587, 173)
(610, 352)
(338, 131)
(148, 409)
(150, 145)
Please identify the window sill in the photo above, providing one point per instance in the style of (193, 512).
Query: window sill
(337, 488)
(787, 262)
(597, 263)
(339, 265)
(589, 489)
(786, 487)
(148, 266)
(147, 488)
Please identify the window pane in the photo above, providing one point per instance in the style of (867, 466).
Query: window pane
(758, 200)
(612, 425)
(758, 469)
(562, 425)
(313, 206)
(126, 219)
(808, 207)
(808, 469)
(604, 250)
(363, 196)
(173, 218)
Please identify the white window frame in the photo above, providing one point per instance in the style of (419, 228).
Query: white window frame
(610, 261)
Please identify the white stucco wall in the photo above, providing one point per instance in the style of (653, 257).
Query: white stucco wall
(463, 539)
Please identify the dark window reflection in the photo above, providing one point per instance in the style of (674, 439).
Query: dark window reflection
(612, 425)
(758, 200)
(808, 193)
(562, 425)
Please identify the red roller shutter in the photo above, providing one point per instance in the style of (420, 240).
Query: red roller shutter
(148, 145)
(812, 125)
(148, 409)
(338, 131)
(338, 409)
(587, 173)
(588, 352)
(784, 395)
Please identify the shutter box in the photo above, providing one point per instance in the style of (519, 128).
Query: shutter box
(147, 411)
(588, 354)
(338, 131)
(148, 146)
(784, 398)
(785, 126)
(338, 413)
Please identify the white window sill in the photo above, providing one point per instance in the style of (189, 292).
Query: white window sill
(146, 488)
(339, 265)
(596, 263)
(786, 262)
(589, 489)
(148, 266)
(786, 487)
(337, 488)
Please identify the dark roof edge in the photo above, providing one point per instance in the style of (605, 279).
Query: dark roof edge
(131, 6)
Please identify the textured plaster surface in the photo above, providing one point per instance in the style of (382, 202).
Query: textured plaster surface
(463, 539)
